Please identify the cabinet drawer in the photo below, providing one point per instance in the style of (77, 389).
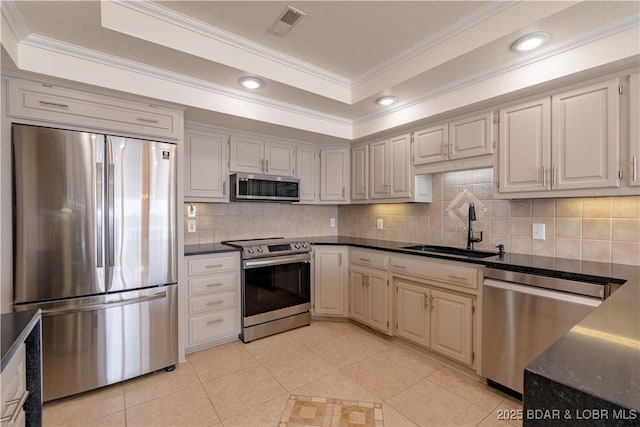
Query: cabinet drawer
(14, 383)
(61, 105)
(369, 258)
(211, 265)
(211, 326)
(213, 283)
(204, 303)
(450, 272)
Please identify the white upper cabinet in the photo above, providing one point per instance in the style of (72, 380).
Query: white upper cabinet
(308, 172)
(634, 130)
(525, 146)
(390, 168)
(334, 175)
(359, 172)
(205, 166)
(569, 141)
(251, 155)
(470, 136)
(585, 126)
(430, 145)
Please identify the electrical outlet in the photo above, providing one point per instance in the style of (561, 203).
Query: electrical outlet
(191, 226)
(379, 224)
(332, 222)
(537, 231)
(191, 210)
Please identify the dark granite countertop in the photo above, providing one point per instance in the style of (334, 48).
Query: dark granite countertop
(208, 248)
(14, 328)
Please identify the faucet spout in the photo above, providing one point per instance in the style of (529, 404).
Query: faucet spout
(470, 238)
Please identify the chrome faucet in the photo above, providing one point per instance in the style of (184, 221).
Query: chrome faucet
(470, 239)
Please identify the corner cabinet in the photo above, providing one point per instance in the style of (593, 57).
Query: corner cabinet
(330, 280)
(205, 166)
(360, 173)
(308, 172)
(568, 141)
(334, 175)
(214, 299)
(252, 155)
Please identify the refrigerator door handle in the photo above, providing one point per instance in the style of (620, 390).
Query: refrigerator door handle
(99, 216)
(111, 210)
(91, 307)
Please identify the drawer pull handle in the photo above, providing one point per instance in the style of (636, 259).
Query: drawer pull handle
(213, 285)
(215, 266)
(53, 104)
(398, 266)
(213, 322)
(142, 119)
(209, 304)
(20, 403)
(457, 277)
(365, 259)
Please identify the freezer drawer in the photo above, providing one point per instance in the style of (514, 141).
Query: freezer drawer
(90, 346)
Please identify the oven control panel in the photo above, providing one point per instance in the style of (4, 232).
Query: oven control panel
(275, 249)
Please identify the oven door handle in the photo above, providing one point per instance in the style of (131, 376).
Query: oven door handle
(266, 262)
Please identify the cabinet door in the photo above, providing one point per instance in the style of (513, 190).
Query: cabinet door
(451, 325)
(413, 314)
(359, 175)
(634, 129)
(378, 174)
(329, 283)
(377, 291)
(206, 166)
(334, 174)
(471, 136)
(430, 145)
(308, 172)
(524, 153)
(585, 126)
(399, 166)
(357, 294)
(279, 159)
(246, 155)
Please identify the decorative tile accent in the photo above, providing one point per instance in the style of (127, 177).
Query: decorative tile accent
(458, 209)
(326, 412)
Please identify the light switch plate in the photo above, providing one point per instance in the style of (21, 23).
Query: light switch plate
(379, 224)
(191, 210)
(191, 226)
(537, 231)
(332, 222)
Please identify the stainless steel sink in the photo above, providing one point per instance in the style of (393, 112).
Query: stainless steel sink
(451, 251)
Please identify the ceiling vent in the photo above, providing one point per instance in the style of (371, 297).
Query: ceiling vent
(285, 22)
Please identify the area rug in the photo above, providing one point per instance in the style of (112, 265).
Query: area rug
(309, 411)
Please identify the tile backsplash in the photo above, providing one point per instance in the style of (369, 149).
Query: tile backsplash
(596, 229)
(245, 220)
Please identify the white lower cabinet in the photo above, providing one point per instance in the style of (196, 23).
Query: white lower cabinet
(435, 318)
(14, 389)
(330, 280)
(214, 299)
(369, 297)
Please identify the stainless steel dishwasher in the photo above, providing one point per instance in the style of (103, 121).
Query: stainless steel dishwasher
(523, 314)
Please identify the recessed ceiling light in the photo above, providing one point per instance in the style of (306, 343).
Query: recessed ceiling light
(251, 82)
(386, 100)
(530, 41)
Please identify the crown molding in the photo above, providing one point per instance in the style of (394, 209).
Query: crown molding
(568, 44)
(488, 11)
(14, 19)
(63, 48)
(155, 10)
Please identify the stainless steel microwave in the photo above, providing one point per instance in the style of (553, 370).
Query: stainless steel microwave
(251, 187)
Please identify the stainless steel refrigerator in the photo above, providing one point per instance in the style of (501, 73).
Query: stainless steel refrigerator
(95, 249)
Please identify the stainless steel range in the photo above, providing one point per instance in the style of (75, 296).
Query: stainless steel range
(276, 285)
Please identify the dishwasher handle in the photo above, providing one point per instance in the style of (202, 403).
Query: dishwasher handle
(545, 293)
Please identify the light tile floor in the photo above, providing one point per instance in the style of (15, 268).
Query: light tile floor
(246, 385)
